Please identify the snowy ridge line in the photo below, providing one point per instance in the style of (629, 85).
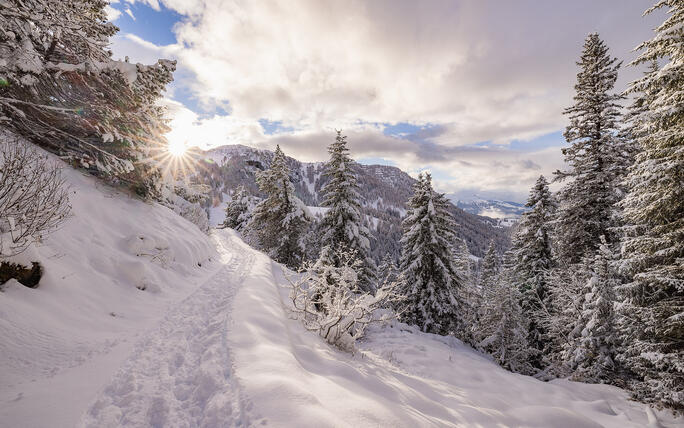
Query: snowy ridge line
(182, 374)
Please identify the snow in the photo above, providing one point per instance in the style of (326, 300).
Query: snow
(216, 345)
(60, 342)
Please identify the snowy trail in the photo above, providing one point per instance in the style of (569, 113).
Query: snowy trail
(181, 374)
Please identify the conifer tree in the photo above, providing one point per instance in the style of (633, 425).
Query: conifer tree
(60, 89)
(387, 271)
(593, 353)
(503, 324)
(431, 286)
(239, 209)
(471, 292)
(595, 157)
(342, 222)
(489, 272)
(280, 221)
(534, 260)
(653, 246)
(464, 265)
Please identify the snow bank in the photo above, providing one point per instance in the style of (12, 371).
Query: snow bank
(61, 342)
(400, 377)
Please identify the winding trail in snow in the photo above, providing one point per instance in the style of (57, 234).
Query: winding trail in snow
(182, 373)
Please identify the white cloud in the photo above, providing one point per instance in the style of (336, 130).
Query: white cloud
(482, 71)
(112, 14)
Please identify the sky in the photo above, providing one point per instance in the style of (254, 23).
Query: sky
(472, 91)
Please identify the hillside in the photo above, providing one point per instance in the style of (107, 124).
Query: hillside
(385, 190)
(210, 341)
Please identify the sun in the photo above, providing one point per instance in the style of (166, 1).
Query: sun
(177, 148)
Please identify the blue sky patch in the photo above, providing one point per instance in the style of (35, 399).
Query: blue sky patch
(272, 127)
(149, 24)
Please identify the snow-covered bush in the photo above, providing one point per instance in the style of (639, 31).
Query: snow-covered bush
(239, 209)
(185, 200)
(33, 196)
(326, 297)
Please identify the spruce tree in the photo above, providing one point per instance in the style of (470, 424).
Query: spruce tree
(342, 222)
(489, 272)
(593, 353)
(239, 209)
(280, 221)
(534, 261)
(387, 271)
(595, 157)
(60, 89)
(503, 324)
(653, 246)
(464, 264)
(471, 292)
(431, 286)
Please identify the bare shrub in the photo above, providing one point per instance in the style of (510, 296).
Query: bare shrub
(33, 196)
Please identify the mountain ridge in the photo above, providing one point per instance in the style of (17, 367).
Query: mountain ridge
(385, 190)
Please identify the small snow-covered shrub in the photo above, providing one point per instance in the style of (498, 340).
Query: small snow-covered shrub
(191, 211)
(327, 299)
(33, 196)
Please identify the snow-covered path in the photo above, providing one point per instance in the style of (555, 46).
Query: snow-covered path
(181, 374)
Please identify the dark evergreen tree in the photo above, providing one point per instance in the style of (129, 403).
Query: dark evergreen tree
(60, 89)
(503, 324)
(431, 286)
(596, 157)
(280, 221)
(387, 271)
(652, 316)
(239, 209)
(342, 224)
(490, 271)
(534, 261)
(592, 353)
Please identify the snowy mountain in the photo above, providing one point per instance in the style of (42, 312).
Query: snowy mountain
(491, 207)
(385, 190)
(505, 213)
(142, 320)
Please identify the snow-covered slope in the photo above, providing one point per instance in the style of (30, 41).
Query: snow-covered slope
(231, 355)
(215, 345)
(61, 342)
(493, 208)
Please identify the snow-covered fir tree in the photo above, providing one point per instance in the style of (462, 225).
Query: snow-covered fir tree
(596, 156)
(471, 291)
(652, 315)
(239, 209)
(464, 264)
(503, 325)
(592, 354)
(431, 286)
(279, 222)
(489, 271)
(62, 91)
(387, 271)
(561, 317)
(534, 260)
(342, 223)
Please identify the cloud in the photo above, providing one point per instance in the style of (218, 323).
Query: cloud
(476, 71)
(112, 14)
